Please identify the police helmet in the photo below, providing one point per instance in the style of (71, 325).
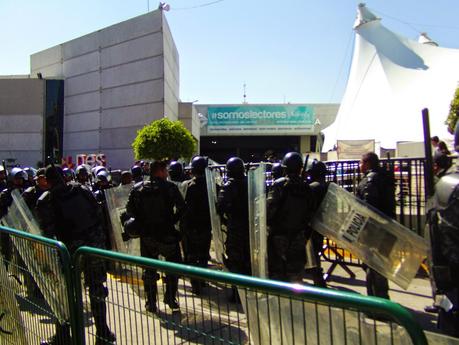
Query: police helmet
(81, 169)
(54, 174)
(19, 173)
(31, 172)
(99, 168)
(175, 170)
(68, 172)
(277, 171)
(292, 162)
(198, 165)
(103, 176)
(136, 171)
(235, 167)
(316, 169)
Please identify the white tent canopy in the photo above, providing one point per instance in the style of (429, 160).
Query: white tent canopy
(391, 80)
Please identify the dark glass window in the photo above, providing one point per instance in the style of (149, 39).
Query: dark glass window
(54, 119)
(313, 143)
(249, 148)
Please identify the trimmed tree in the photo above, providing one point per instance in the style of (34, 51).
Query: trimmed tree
(164, 140)
(453, 112)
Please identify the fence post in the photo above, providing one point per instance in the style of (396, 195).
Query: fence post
(428, 170)
(79, 309)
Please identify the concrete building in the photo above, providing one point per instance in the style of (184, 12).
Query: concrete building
(117, 80)
(257, 131)
(29, 109)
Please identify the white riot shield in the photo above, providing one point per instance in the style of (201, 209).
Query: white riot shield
(42, 262)
(379, 241)
(12, 330)
(117, 199)
(279, 320)
(257, 221)
(217, 234)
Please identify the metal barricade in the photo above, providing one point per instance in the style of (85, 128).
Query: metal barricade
(410, 201)
(36, 290)
(409, 180)
(269, 312)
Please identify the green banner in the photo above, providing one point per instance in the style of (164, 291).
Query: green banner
(260, 118)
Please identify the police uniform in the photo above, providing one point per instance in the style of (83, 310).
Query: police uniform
(69, 213)
(5, 202)
(152, 204)
(290, 207)
(316, 174)
(444, 241)
(233, 208)
(196, 226)
(377, 188)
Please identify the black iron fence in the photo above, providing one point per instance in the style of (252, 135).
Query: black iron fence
(410, 192)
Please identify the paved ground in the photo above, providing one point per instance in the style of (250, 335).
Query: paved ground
(211, 319)
(418, 295)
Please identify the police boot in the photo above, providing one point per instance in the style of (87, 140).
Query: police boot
(150, 297)
(62, 336)
(171, 292)
(196, 287)
(99, 312)
(318, 277)
(234, 297)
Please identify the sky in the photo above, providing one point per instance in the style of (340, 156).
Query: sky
(296, 51)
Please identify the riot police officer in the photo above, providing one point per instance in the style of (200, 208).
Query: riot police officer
(32, 194)
(137, 173)
(82, 175)
(195, 224)
(277, 171)
(233, 208)
(126, 178)
(3, 184)
(290, 207)
(31, 173)
(18, 178)
(377, 188)
(176, 171)
(444, 241)
(316, 171)
(156, 205)
(69, 175)
(102, 183)
(177, 177)
(69, 213)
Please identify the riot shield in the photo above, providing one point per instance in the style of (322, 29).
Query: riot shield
(379, 241)
(280, 320)
(117, 199)
(217, 234)
(43, 263)
(12, 330)
(257, 221)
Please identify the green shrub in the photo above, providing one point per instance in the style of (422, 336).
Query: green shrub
(453, 112)
(164, 140)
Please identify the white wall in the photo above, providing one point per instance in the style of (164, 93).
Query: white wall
(21, 120)
(117, 80)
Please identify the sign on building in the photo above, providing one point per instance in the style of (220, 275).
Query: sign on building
(354, 149)
(261, 119)
(91, 159)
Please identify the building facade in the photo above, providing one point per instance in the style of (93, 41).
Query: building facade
(257, 132)
(117, 80)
